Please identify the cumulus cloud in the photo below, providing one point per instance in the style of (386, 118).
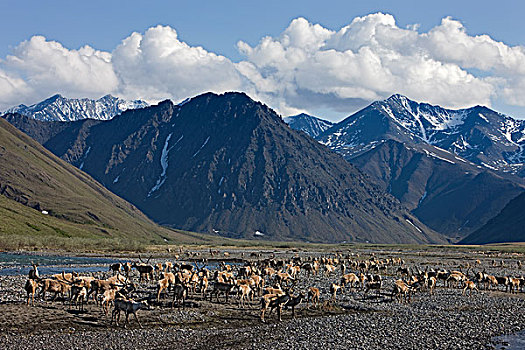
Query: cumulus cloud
(369, 59)
(151, 66)
(157, 65)
(307, 67)
(11, 88)
(39, 68)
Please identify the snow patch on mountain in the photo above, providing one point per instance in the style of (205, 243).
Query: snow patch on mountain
(204, 144)
(432, 154)
(421, 119)
(411, 223)
(85, 156)
(483, 117)
(423, 197)
(163, 164)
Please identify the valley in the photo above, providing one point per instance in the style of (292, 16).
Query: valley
(262, 175)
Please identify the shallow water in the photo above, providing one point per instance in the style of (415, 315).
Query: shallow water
(20, 264)
(12, 264)
(514, 341)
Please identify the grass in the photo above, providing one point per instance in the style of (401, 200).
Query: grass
(24, 228)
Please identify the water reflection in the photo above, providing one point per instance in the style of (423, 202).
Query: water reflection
(20, 263)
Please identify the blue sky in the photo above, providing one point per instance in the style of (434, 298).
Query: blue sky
(218, 26)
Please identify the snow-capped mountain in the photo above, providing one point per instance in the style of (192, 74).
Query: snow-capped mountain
(454, 169)
(313, 126)
(478, 134)
(59, 108)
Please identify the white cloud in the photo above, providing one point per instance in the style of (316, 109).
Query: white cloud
(41, 68)
(307, 67)
(11, 88)
(450, 42)
(369, 59)
(157, 65)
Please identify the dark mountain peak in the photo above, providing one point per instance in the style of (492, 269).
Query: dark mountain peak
(237, 96)
(227, 109)
(212, 97)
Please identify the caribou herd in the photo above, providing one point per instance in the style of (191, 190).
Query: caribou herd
(268, 283)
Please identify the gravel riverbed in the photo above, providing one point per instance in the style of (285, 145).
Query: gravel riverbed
(445, 320)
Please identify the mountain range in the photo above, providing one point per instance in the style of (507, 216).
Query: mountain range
(478, 134)
(59, 108)
(228, 165)
(454, 169)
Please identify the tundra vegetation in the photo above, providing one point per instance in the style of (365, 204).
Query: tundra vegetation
(227, 296)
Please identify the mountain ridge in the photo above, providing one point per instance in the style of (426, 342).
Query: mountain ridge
(507, 226)
(451, 196)
(59, 108)
(477, 134)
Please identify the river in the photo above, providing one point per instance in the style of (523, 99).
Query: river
(20, 263)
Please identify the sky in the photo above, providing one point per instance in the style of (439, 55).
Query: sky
(326, 58)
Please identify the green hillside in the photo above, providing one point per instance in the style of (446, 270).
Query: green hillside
(82, 213)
